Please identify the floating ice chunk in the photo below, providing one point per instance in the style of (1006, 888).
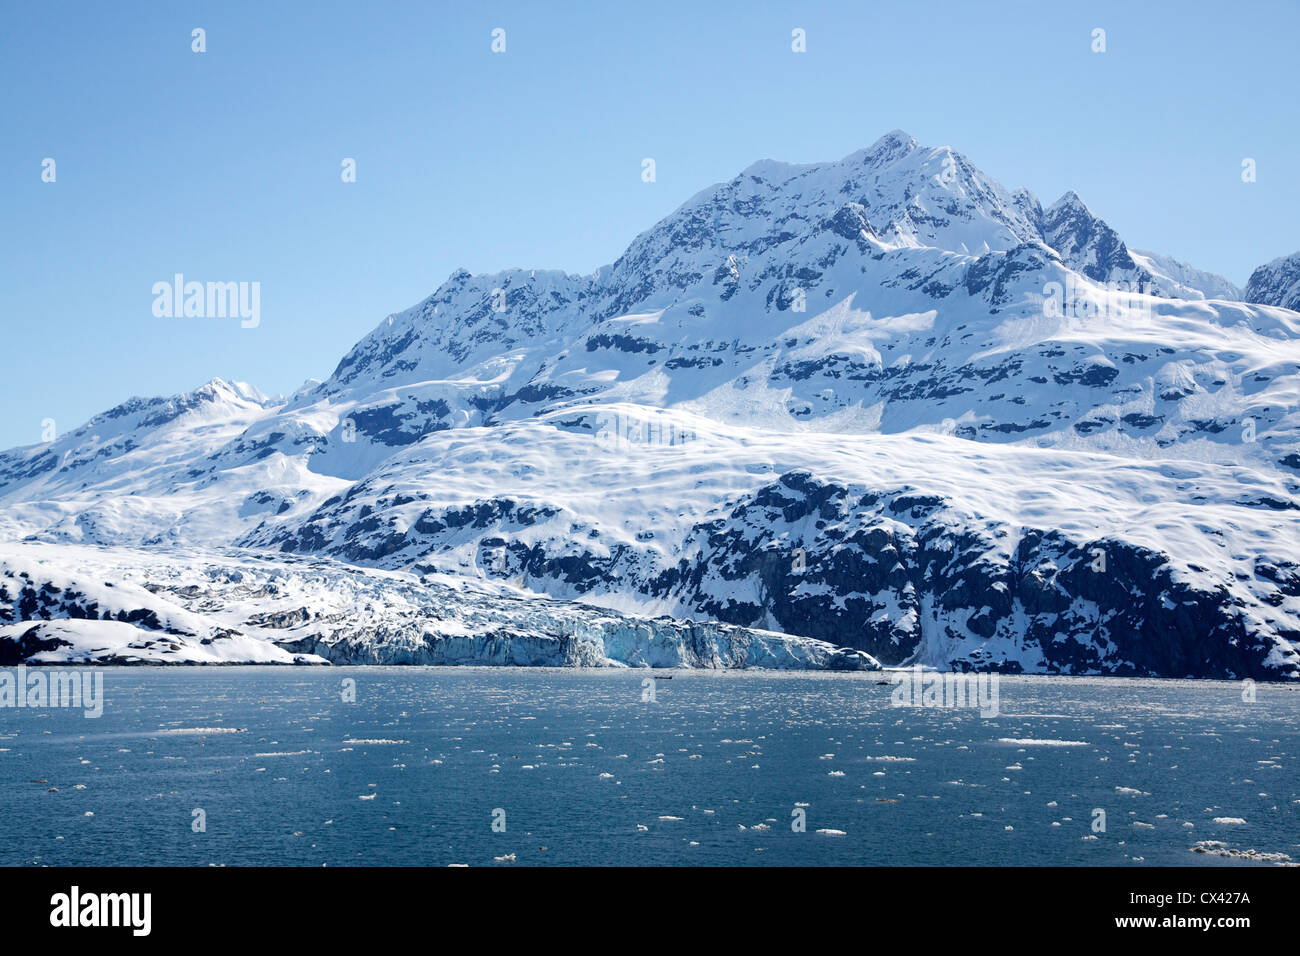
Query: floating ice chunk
(1033, 742)
(372, 742)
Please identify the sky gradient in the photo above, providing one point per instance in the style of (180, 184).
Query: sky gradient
(225, 165)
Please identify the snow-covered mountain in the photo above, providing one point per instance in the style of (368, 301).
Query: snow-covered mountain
(881, 402)
(1276, 283)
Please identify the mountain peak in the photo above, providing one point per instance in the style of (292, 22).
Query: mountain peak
(895, 139)
(1070, 200)
(889, 148)
(218, 389)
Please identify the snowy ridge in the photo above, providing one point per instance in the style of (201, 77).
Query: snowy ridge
(1209, 284)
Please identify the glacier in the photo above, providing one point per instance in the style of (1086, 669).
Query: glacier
(94, 605)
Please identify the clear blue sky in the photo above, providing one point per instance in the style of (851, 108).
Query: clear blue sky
(225, 165)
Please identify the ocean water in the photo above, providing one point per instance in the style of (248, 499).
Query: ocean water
(435, 766)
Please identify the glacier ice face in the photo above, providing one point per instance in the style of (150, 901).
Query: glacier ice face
(75, 604)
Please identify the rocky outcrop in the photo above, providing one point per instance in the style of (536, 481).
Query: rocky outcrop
(1276, 283)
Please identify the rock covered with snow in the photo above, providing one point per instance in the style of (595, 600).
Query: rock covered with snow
(1276, 283)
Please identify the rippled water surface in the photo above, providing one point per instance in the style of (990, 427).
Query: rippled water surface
(581, 770)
